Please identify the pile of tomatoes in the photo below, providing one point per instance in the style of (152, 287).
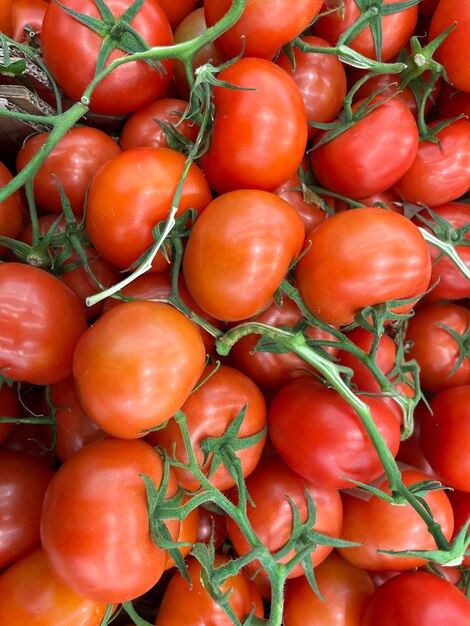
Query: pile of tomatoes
(234, 320)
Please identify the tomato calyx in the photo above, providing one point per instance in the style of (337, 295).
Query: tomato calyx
(463, 343)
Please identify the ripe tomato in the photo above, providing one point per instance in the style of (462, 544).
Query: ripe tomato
(260, 131)
(460, 501)
(27, 13)
(11, 209)
(238, 252)
(5, 17)
(31, 594)
(270, 486)
(264, 26)
(73, 162)
(344, 588)
(41, 320)
(192, 605)
(95, 521)
(376, 152)
(176, 11)
(309, 422)
(131, 194)
(136, 366)
(210, 410)
(360, 258)
(70, 50)
(416, 599)
(379, 525)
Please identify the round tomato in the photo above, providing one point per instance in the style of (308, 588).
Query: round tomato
(11, 209)
(260, 128)
(41, 320)
(238, 252)
(177, 11)
(360, 258)
(70, 50)
(5, 17)
(460, 501)
(27, 13)
(95, 521)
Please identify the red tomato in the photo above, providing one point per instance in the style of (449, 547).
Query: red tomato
(27, 13)
(70, 51)
(416, 599)
(211, 525)
(270, 486)
(41, 320)
(460, 501)
(31, 594)
(264, 27)
(136, 366)
(397, 28)
(441, 171)
(9, 407)
(23, 483)
(131, 194)
(177, 11)
(320, 436)
(259, 132)
(73, 162)
(344, 588)
(193, 606)
(453, 51)
(11, 209)
(95, 521)
(452, 102)
(375, 153)
(239, 251)
(5, 17)
(360, 258)
(210, 410)
(379, 525)
(445, 437)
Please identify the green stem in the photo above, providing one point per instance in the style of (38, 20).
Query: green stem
(448, 249)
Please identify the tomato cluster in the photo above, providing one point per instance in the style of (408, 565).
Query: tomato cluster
(234, 321)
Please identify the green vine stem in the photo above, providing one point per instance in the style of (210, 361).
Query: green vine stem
(448, 249)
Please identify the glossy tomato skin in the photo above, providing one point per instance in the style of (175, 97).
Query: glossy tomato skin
(309, 423)
(265, 25)
(5, 17)
(31, 594)
(209, 411)
(95, 521)
(360, 258)
(73, 162)
(344, 588)
(376, 152)
(193, 606)
(416, 599)
(136, 366)
(27, 13)
(445, 436)
(131, 194)
(41, 320)
(70, 50)
(460, 501)
(239, 251)
(271, 517)
(11, 209)
(23, 483)
(177, 11)
(260, 132)
(379, 525)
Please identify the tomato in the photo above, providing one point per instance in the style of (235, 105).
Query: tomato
(95, 521)
(271, 486)
(136, 366)
(397, 28)
(264, 27)
(452, 102)
(211, 525)
(193, 606)
(460, 501)
(41, 320)
(321, 79)
(131, 194)
(260, 131)
(309, 423)
(23, 483)
(445, 436)
(452, 52)
(379, 525)
(177, 11)
(441, 171)
(360, 258)
(9, 407)
(70, 51)
(210, 410)
(142, 128)
(72, 163)
(435, 349)
(375, 153)
(11, 209)
(238, 252)
(416, 599)
(27, 13)
(344, 588)
(5, 17)
(31, 594)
